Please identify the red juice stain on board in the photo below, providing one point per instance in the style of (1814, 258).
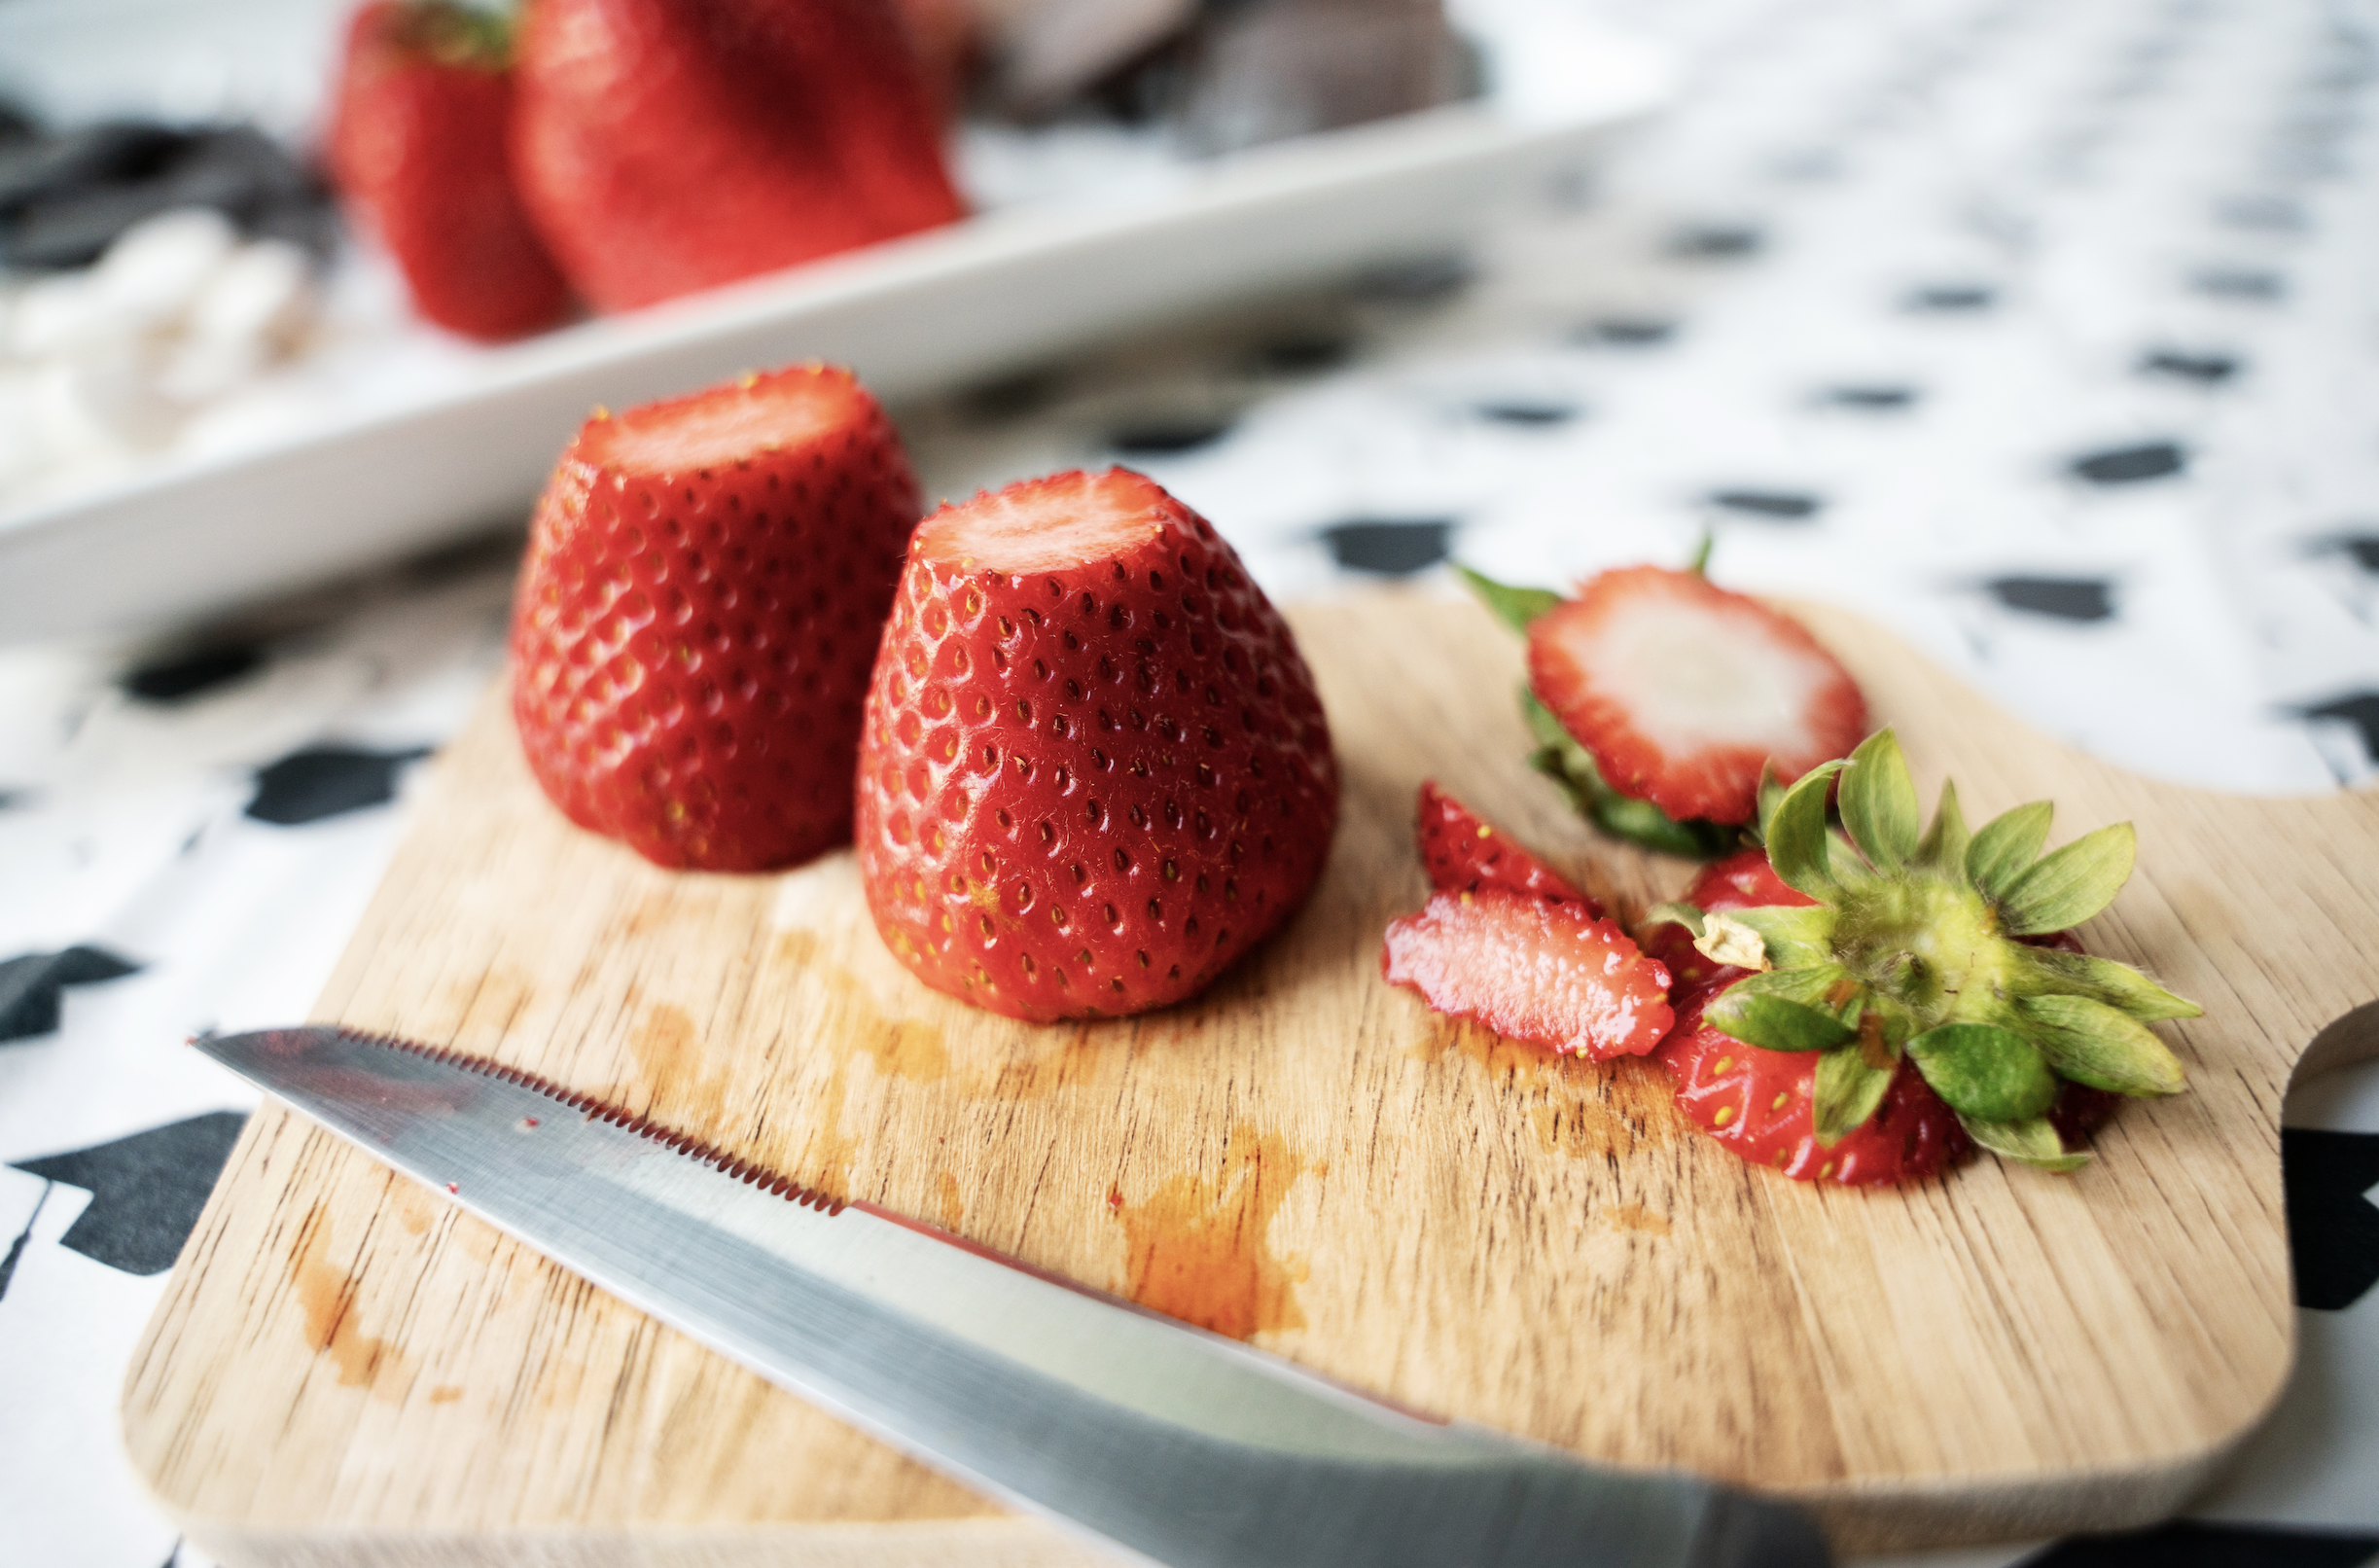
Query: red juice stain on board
(326, 1295)
(1199, 1250)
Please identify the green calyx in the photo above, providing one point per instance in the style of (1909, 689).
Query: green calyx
(448, 32)
(1912, 951)
(1560, 758)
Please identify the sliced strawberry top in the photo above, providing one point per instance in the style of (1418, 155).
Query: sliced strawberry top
(1532, 969)
(1465, 855)
(1683, 689)
(725, 425)
(1053, 525)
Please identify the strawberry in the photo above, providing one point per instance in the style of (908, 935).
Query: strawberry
(705, 584)
(1532, 968)
(666, 146)
(1759, 1102)
(416, 145)
(1465, 855)
(1682, 690)
(1094, 769)
(1890, 982)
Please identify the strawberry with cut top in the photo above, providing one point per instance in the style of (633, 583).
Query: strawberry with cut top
(667, 146)
(1658, 699)
(1508, 942)
(420, 116)
(1872, 1003)
(706, 581)
(1094, 769)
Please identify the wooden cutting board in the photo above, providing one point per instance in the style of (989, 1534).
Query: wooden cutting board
(346, 1368)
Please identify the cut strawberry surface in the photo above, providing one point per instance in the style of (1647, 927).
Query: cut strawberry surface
(1094, 769)
(1465, 855)
(1682, 690)
(1532, 969)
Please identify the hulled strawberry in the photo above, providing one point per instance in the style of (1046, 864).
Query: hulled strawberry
(1508, 942)
(1908, 955)
(706, 582)
(421, 110)
(1094, 769)
(1659, 700)
(664, 146)
(1465, 855)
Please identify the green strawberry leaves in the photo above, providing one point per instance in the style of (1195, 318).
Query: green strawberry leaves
(2091, 1042)
(2005, 846)
(1798, 845)
(1847, 1091)
(2033, 1143)
(1514, 607)
(1984, 1071)
(2068, 887)
(1878, 801)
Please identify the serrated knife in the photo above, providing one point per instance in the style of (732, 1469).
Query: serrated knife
(1165, 1441)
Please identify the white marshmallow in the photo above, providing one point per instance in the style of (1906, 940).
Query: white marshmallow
(263, 294)
(156, 270)
(105, 401)
(64, 314)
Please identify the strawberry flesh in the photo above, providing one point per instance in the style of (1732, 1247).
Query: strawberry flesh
(1681, 691)
(1758, 1104)
(1465, 855)
(1532, 969)
(422, 107)
(1094, 769)
(705, 584)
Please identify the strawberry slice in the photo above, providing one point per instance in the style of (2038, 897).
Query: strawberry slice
(1682, 690)
(1531, 969)
(1465, 855)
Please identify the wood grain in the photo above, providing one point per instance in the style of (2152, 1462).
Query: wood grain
(347, 1370)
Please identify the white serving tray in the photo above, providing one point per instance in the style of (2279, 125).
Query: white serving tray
(997, 291)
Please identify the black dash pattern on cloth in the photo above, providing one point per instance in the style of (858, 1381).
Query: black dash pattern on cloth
(2361, 548)
(15, 1248)
(31, 983)
(1775, 506)
(1870, 398)
(187, 674)
(146, 1190)
(1716, 242)
(1164, 438)
(2130, 465)
(2067, 598)
(2260, 284)
(2197, 1544)
(327, 781)
(1950, 298)
(2360, 709)
(1387, 547)
(2334, 1227)
(2206, 370)
(1628, 331)
(1516, 412)
(1305, 353)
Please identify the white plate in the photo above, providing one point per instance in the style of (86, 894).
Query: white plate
(996, 291)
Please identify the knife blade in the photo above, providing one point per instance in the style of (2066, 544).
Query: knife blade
(1174, 1444)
